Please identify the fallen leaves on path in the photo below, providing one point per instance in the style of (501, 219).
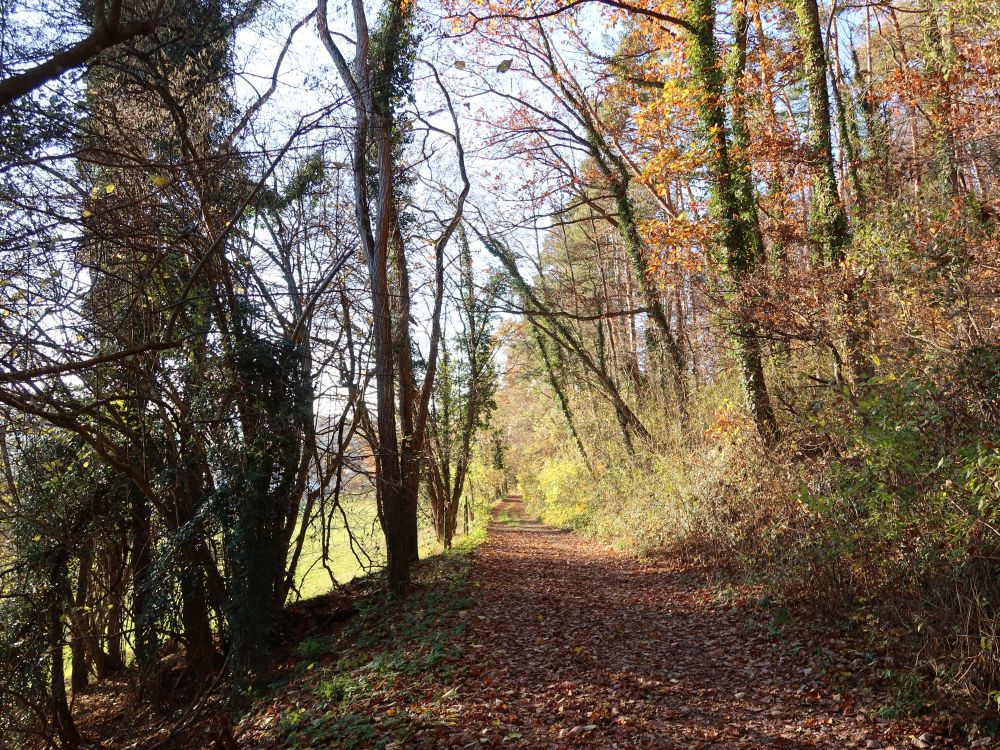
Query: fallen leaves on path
(551, 641)
(571, 645)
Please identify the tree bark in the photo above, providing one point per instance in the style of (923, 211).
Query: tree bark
(830, 230)
(736, 235)
(61, 716)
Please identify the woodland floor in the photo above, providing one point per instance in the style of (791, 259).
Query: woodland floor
(545, 639)
(572, 645)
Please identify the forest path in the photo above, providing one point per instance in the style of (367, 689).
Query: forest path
(572, 645)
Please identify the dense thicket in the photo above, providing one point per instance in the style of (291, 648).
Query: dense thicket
(216, 335)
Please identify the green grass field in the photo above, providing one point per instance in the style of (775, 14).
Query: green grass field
(313, 577)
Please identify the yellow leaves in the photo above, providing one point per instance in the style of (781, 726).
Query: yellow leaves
(504, 65)
(36, 538)
(159, 180)
(680, 242)
(730, 423)
(95, 192)
(679, 93)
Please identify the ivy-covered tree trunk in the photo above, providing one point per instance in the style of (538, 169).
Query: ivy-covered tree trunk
(59, 595)
(260, 497)
(828, 219)
(830, 227)
(942, 116)
(464, 387)
(733, 217)
(742, 175)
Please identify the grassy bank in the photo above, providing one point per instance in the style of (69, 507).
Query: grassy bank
(375, 682)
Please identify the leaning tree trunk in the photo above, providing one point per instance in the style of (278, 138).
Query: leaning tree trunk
(564, 405)
(617, 175)
(559, 333)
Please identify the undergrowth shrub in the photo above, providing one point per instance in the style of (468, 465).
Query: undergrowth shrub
(560, 491)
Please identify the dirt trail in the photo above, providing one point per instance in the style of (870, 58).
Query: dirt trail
(575, 646)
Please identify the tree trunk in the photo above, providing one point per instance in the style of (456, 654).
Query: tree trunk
(202, 657)
(145, 644)
(61, 717)
(830, 229)
(78, 647)
(736, 236)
